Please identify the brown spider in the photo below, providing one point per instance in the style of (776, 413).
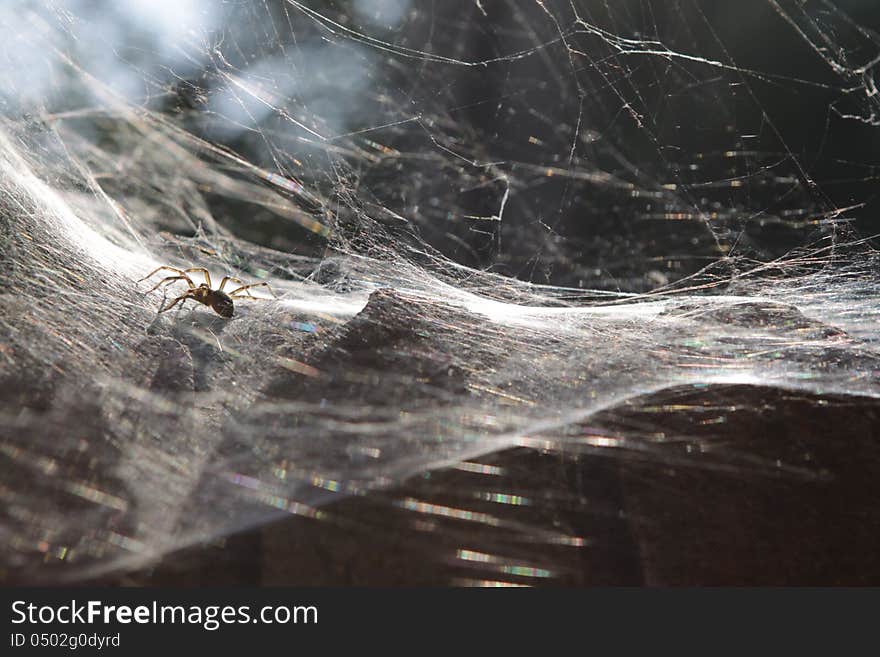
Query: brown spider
(219, 300)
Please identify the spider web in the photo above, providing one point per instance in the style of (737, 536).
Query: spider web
(486, 224)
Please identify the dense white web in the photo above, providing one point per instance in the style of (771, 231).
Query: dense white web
(484, 223)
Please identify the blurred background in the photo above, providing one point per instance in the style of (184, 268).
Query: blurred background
(619, 144)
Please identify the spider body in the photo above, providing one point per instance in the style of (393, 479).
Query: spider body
(221, 302)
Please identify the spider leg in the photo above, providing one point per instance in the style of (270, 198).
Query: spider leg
(182, 297)
(204, 271)
(173, 278)
(246, 288)
(158, 269)
(229, 278)
(181, 275)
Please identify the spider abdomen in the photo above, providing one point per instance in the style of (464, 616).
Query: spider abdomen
(222, 304)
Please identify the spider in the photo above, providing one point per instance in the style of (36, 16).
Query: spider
(220, 301)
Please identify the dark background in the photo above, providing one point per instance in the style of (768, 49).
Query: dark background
(663, 164)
